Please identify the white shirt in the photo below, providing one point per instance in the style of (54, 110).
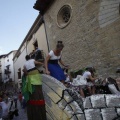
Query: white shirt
(86, 74)
(23, 97)
(29, 64)
(4, 108)
(53, 56)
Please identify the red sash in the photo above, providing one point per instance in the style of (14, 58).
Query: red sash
(36, 102)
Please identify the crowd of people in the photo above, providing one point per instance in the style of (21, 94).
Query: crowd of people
(32, 97)
(86, 83)
(32, 89)
(53, 65)
(9, 104)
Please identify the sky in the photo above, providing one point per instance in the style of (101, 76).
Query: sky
(16, 19)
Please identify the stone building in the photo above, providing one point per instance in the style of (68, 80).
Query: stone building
(7, 70)
(89, 29)
(2, 57)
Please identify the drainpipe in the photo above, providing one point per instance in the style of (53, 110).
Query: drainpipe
(14, 74)
(14, 82)
(26, 47)
(46, 34)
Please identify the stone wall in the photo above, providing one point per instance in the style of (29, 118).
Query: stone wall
(92, 38)
(67, 104)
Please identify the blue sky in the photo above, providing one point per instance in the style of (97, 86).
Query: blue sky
(16, 19)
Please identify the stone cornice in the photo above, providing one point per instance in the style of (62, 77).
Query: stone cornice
(42, 5)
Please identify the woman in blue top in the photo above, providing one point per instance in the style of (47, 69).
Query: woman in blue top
(52, 63)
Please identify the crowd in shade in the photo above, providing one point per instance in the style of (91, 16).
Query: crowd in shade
(9, 104)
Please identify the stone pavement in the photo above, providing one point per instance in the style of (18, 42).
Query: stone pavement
(22, 114)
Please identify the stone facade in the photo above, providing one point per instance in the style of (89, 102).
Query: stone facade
(92, 38)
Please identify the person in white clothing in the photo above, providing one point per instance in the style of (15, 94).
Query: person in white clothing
(89, 76)
(5, 109)
(32, 90)
(53, 63)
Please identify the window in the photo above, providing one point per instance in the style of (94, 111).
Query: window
(19, 73)
(35, 44)
(64, 16)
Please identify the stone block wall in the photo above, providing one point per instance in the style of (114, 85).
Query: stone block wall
(67, 104)
(92, 38)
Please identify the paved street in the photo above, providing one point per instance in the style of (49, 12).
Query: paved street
(22, 114)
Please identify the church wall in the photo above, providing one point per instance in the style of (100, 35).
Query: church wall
(92, 37)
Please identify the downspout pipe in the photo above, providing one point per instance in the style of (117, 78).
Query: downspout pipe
(26, 47)
(46, 34)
